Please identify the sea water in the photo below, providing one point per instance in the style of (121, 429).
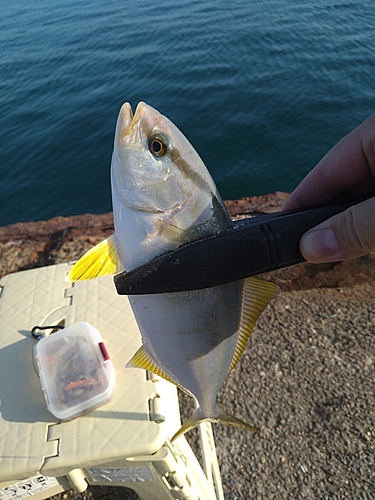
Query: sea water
(262, 89)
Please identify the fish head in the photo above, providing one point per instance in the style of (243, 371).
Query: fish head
(160, 184)
(138, 166)
(154, 167)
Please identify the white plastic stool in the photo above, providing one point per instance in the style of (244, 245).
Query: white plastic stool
(124, 443)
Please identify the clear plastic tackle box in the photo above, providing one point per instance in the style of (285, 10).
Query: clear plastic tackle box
(75, 370)
(60, 429)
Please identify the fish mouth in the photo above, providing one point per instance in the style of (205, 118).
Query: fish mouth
(125, 117)
(127, 122)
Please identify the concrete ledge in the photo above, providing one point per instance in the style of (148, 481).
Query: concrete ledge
(28, 245)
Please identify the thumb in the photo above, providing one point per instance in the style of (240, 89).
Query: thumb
(347, 235)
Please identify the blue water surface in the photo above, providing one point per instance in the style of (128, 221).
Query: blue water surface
(261, 88)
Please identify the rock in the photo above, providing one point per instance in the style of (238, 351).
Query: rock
(27, 245)
(256, 205)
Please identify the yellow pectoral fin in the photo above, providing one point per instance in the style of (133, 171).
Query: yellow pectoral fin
(257, 294)
(100, 260)
(171, 233)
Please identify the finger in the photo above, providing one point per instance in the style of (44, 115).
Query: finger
(364, 189)
(348, 164)
(347, 235)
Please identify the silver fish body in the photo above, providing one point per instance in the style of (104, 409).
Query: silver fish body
(163, 196)
(192, 335)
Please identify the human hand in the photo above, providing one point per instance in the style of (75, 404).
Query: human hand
(346, 171)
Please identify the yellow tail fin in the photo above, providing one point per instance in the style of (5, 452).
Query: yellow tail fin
(221, 418)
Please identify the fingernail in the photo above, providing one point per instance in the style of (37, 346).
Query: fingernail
(319, 245)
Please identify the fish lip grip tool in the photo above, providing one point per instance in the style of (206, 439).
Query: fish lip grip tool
(252, 246)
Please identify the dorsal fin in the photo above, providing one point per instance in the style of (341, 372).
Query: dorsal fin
(256, 295)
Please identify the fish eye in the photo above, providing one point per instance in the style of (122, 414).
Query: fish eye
(158, 145)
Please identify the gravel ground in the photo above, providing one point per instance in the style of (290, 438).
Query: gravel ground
(306, 382)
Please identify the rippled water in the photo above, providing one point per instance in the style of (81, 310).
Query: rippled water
(262, 89)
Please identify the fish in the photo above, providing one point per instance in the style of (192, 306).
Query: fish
(163, 196)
